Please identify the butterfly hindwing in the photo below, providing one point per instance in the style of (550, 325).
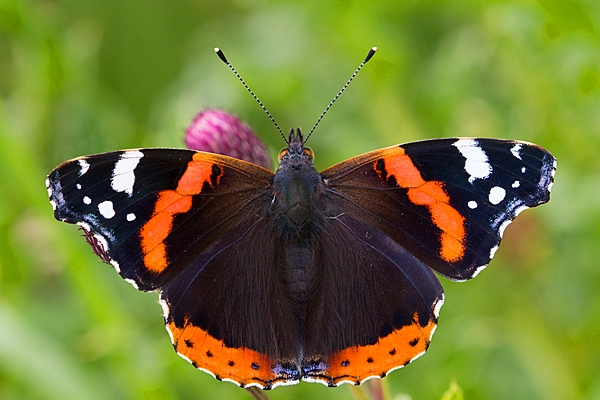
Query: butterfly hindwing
(228, 312)
(447, 201)
(376, 311)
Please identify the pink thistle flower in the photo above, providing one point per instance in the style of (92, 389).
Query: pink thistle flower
(219, 132)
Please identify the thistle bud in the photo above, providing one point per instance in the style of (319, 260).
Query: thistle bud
(219, 132)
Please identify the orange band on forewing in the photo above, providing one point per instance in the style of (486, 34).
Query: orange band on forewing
(168, 204)
(156, 259)
(427, 193)
(451, 222)
(397, 349)
(241, 365)
(406, 173)
(156, 230)
(195, 175)
(432, 195)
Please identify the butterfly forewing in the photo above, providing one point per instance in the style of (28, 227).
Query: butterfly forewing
(136, 204)
(447, 201)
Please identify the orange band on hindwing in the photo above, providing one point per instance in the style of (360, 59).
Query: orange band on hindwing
(168, 205)
(241, 365)
(432, 195)
(401, 346)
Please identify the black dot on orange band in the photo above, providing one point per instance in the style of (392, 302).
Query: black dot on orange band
(414, 342)
(230, 363)
(208, 353)
(392, 352)
(255, 366)
(380, 168)
(345, 363)
(189, 343)
(370, 360)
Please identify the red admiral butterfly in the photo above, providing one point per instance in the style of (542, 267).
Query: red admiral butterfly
(268, 278)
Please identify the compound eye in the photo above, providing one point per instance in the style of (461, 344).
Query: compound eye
(308, 151)
(282, 153)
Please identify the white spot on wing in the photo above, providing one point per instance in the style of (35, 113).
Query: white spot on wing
(52, 202)
(87, 200)
(438, 306)
(78, 186)
(101, 240)
(165, 307)
(170, 334)
(84, 165)
(430, 338)
(503, 227)
(472, 204)
(106, 209)
(84, 225)
(321, 381)
(517, 209)
(516, 184)
(552, 174)
(423, 352)
(207, 371)
(57, 200)
(118, 268)
(123, 177)
(476, 161)
(186, 358)
(497, 194)
(478, 270)
(493, 251)
(131, 217)
(132, 283)
(516, 150)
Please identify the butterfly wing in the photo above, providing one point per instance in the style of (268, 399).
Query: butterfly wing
(228, 313)
(447, 201)
(150, 211)
(393, 216)
(377, 309)
(192, 225)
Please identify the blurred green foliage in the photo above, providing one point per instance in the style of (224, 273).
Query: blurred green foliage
(81, 77)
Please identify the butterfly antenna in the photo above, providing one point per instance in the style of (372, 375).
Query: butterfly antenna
(367, 58)
(224, 59)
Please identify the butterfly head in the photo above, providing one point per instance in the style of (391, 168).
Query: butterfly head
(296, 150)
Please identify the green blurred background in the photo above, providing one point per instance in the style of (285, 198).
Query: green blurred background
(82, 77)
